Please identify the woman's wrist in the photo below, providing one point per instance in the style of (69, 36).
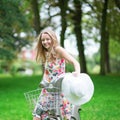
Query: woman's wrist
(75, 73)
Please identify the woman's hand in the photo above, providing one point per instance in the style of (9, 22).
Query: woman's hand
(75, 74)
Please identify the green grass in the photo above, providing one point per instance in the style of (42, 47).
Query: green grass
(12, 101)
(105, 104)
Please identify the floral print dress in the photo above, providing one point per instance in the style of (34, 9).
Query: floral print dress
(52, 71)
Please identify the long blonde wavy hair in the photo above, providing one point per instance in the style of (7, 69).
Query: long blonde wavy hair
(41, 51)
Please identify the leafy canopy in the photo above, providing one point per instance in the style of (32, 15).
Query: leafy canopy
(12, 23)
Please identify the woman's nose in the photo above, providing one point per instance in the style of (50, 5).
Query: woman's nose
(45, 41)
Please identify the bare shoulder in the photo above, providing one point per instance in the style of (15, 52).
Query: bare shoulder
(59, 50)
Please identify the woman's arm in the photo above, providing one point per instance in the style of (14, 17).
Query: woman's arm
(64, 54)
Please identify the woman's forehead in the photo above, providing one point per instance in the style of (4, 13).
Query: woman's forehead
(45, 35)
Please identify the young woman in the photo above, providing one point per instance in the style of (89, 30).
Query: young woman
(53, 57)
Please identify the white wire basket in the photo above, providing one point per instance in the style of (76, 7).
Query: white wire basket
(51, 100)
(32, 97)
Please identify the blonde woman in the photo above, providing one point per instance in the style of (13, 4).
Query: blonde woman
(53, 58)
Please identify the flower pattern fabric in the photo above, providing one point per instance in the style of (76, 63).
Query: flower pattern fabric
(52, 71)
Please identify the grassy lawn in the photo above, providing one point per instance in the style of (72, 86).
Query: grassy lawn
(105, 104)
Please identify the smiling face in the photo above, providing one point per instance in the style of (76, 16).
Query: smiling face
(46, 41)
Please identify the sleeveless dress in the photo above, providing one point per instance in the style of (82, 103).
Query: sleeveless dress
(52, 71)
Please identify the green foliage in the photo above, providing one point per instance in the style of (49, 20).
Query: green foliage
(12, 23)
(115, 56)
(115, 65)
(5, 54)
(18, 67)
(93, 63)
(114, 48)
(113, 21)
(69, 68)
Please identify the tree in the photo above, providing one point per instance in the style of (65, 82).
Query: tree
(109, 21)
(36, 9)
(77, 21)
(117, 2)
(63, 4)
(104, 41)
(109, 30)
(75, 18)
(12, 23)
(36, 20)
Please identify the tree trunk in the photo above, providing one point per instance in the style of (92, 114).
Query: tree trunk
(108, 70)
(77, 19)
(63, 7)
(37, 22)
(103, 39)
(117, 2)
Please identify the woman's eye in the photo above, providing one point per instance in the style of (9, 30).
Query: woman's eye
(47, 39)
(42, 40)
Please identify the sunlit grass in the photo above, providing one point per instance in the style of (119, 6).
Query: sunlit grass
(12, 101)
(105, 104)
